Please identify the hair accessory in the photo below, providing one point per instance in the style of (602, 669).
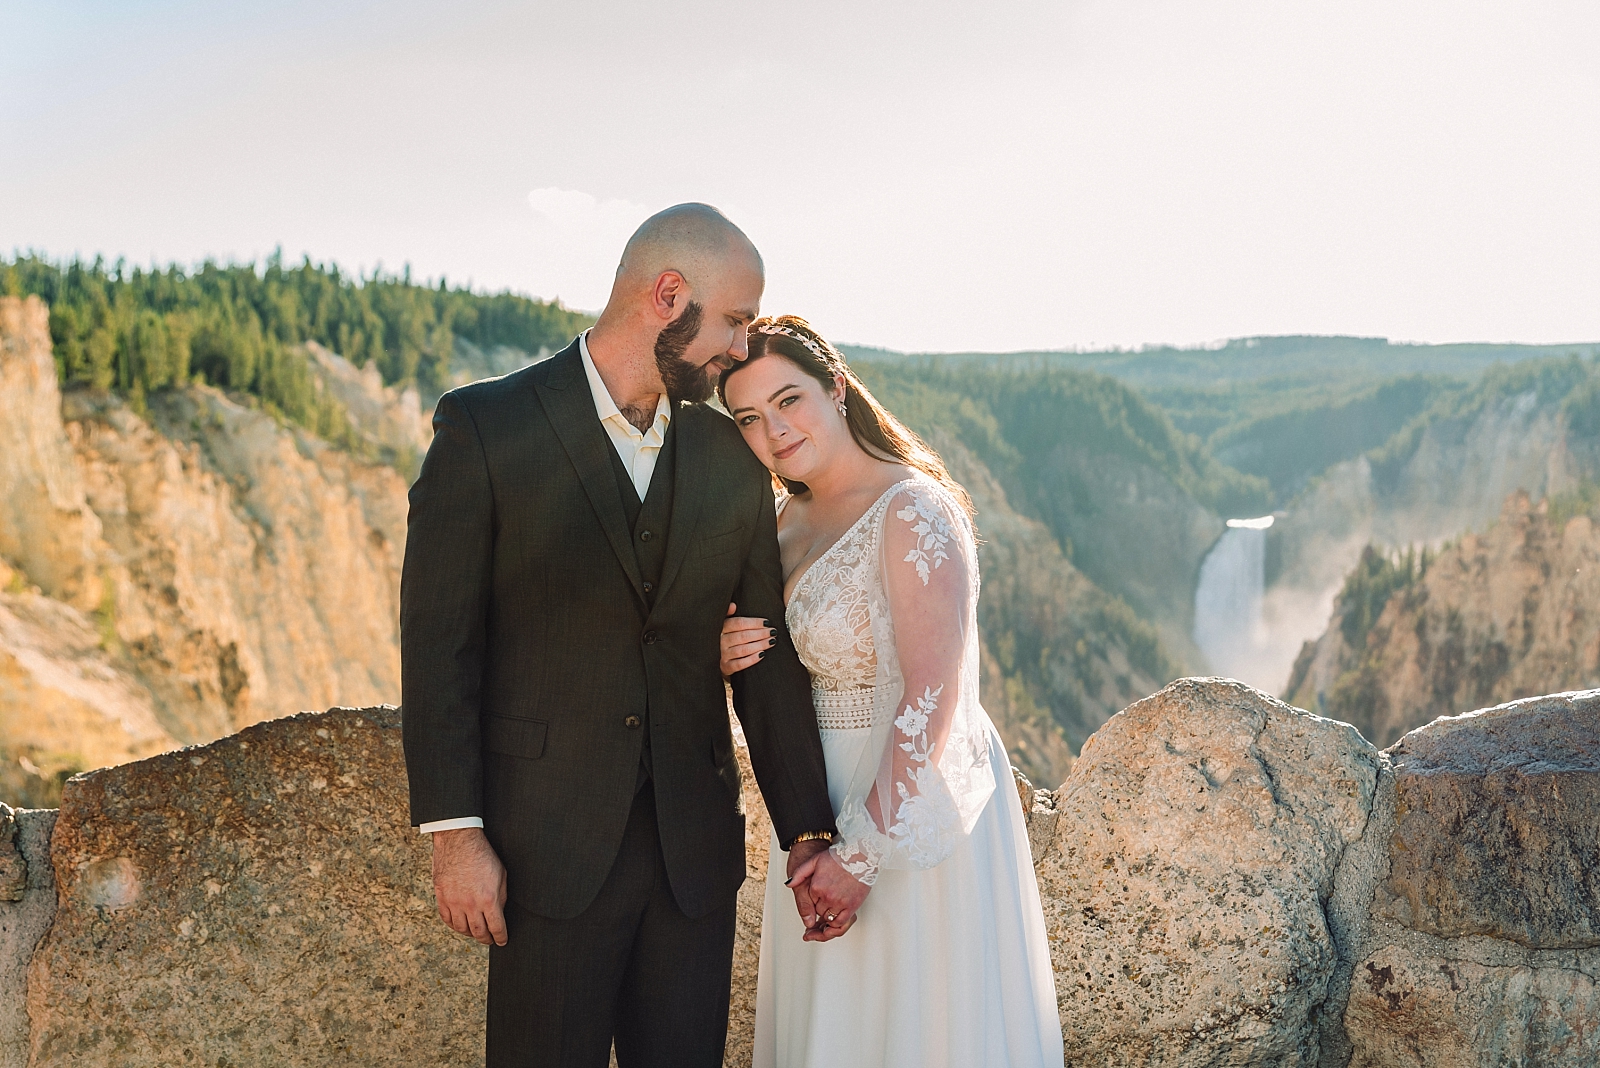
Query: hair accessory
(790, 332)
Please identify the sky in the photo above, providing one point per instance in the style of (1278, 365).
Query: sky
(920, 176)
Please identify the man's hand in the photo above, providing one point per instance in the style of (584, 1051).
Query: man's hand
(470, 884)
(834, 894)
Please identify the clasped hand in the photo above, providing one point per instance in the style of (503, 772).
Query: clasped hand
(826, 895)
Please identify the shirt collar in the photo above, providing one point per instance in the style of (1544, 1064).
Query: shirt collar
(606, 407)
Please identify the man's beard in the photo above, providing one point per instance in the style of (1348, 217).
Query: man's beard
(684, 381)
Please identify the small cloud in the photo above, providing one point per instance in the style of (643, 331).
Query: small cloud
(572, 209)
(577, 241)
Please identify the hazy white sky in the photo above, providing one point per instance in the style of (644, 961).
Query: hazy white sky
(918, 175)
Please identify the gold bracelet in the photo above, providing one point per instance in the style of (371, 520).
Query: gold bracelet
(811, 836)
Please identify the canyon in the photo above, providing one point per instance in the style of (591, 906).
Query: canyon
(171, 576)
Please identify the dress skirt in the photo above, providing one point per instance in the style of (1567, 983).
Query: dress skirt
(947, 966)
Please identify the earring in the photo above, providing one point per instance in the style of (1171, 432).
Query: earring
(842, 409)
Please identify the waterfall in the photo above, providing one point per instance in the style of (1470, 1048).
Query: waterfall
(1228, 626)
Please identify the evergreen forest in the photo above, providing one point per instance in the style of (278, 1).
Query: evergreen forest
(242, 327)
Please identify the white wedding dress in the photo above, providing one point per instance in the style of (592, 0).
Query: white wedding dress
(947, 964)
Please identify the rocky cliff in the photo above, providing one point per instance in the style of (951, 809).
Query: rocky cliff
(1526, 429)
(1226, 881)
(1496, 616)
(175, 575)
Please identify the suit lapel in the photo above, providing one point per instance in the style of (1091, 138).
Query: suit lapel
(570, 408)
(688, 491)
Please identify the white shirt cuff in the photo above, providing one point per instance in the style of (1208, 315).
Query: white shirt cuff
(459, 823)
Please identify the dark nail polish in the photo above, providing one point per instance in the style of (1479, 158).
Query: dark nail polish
(772, 631)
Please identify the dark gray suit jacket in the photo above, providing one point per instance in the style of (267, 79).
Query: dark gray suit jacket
(528, 645)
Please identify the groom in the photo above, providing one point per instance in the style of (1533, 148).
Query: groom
(576, 534)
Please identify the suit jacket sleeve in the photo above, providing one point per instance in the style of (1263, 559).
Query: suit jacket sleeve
(444, 599)
(773, 698)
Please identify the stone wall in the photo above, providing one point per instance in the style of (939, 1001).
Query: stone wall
(1227, 881)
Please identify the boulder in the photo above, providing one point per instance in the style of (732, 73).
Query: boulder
(1495, 825)
(1482, 945)
(258, 901)
(263, 900)
(1196, 842)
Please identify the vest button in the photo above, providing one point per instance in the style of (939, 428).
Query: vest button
(632, 723)
(644, 535)
(649, 637)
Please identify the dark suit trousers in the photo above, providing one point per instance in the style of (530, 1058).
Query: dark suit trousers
(631, 967)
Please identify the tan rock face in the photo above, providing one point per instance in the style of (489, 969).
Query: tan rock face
(389, 420)
(1196, 842)
(1415, 1010)
(65, 700)
(260, 900)
(45, 526)
(197, 569)
(1482, 944)
(1499, 616)
(1496, 825)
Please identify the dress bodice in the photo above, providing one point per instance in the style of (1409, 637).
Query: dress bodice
(830, 620)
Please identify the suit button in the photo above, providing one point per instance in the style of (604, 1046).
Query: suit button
(632, 723)
(644, 535)
(648, 586)
(649, 637)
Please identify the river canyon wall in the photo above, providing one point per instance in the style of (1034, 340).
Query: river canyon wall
(1445, 475)
(1225, 879)
(173, 575)
(1496, 616)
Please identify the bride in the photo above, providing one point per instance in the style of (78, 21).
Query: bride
(946, 961)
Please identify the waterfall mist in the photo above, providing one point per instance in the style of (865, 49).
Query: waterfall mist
(1229, 627)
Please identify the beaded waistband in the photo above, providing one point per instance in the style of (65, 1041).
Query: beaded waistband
(840, 710)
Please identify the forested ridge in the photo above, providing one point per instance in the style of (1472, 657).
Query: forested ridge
(242, 327)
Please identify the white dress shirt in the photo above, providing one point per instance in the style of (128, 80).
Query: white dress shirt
(639, 452)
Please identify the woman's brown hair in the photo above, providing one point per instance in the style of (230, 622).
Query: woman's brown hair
(874, 427)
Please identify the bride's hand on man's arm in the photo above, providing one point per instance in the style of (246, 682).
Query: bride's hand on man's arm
(745, 639)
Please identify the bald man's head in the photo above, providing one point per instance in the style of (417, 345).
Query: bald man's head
(688, 285)
(696, 240)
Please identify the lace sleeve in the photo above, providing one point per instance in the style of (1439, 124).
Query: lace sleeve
(932, 774)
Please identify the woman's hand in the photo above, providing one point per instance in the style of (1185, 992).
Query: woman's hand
(833, 893)
(745, 640)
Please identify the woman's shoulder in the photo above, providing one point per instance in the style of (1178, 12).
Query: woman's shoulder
(924, 495)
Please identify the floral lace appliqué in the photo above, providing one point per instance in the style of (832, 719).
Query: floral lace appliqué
(932, 531)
